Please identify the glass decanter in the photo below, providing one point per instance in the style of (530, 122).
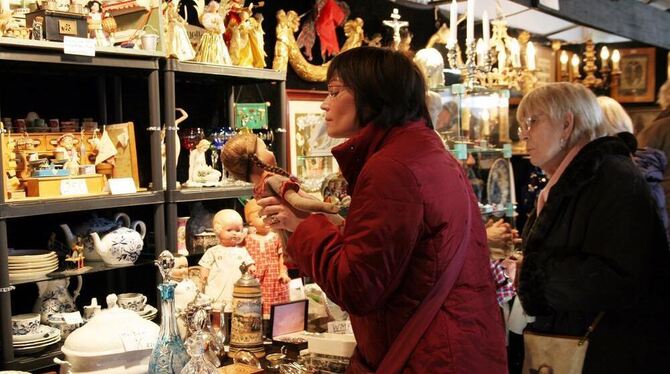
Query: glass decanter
(196, 345)
(169, 355)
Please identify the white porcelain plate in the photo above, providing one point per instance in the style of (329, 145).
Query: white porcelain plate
(37, 342)
(43, 332)
(41, 269)
(498, 184)
(29, 255)
(33, 264)
(31, 275)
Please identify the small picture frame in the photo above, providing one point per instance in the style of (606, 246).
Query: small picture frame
(637, 82)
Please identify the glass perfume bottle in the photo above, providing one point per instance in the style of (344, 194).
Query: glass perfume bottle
(169, 355)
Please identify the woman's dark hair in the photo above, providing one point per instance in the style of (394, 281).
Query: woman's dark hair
(389, 89)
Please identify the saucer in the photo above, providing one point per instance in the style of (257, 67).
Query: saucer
(148, 309)
(43, 332)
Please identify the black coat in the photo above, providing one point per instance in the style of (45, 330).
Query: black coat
(598, 245)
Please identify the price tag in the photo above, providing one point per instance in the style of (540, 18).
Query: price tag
(73, 318)
(121, 185)
(137, 341)
(340, 327)
(73, 187)
(553, 4)
(461, 151)
(507, 150)
(78, 46)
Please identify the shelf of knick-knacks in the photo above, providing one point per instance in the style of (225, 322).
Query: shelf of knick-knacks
(208, 193)
(233, 74)
(37, 206)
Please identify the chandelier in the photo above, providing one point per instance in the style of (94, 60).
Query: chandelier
(607, 77)
(496, 61)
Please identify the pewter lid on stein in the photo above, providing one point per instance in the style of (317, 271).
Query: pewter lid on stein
(247, 280)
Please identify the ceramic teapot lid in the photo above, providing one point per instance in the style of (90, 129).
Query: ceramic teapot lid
(109, 331)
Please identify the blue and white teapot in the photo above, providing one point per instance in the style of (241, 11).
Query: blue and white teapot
(122, 246)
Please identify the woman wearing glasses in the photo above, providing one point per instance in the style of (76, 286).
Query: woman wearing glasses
(594, 243)
(413, 218)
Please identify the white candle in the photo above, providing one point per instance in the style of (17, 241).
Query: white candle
(4, 5)
(502, 60)
(575, 65)
(486, 29)
(453, 24)
(515, 49)
(481, 52)
(485, 123)
(530, 56)
(604, 56)
(564, 61)
(616, 57)
(470, 35)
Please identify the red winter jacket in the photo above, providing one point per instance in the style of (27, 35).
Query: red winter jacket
(406, 220)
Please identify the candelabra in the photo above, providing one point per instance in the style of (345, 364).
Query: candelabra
(608, 77)
(513, 73)
(476, 65)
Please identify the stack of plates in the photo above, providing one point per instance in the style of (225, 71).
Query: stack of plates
(25, 264)
(37, 341)
(148, 312)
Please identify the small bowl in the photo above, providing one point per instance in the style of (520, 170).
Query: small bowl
(24, 324)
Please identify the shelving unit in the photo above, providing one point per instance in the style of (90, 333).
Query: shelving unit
(25, 58)
(231, 77)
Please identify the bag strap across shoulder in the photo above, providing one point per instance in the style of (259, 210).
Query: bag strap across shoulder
(405, 343)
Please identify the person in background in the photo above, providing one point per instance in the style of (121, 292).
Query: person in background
(594, 242)
(657, 135)
(650, 161)
(410, 203)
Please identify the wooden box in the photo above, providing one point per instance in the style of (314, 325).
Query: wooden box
(58, 24)
(52, 186)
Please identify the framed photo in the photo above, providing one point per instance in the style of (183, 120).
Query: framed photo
(637, 83)
(546, 64)
(309, 144)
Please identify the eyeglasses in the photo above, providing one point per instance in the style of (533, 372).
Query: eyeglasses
(334, 90)
(527, 124)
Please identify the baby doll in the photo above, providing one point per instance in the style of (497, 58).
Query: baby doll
(221, 263)
(266, 249)
(246, 158)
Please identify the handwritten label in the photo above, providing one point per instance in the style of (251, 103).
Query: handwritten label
(122, 185)
(461, 151)
(73, 187)
(78, 46)
(340, 327)
(73, 318)
(137, 340)
(507, 150)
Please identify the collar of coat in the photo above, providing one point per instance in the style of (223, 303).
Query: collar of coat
(578, 174)
(352, 154)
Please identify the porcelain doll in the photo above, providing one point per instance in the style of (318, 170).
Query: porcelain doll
(265, 248)
(94, 22)
(221, 263)
(177, 43)
(246, 157)
(199, 173)
(212, 48)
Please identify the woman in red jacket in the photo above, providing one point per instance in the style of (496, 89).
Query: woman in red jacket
(411, 208)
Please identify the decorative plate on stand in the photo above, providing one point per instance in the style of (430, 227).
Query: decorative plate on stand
(498, 185)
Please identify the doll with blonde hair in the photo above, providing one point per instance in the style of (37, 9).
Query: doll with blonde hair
(266, 249)
(246, 157)
(221, 263)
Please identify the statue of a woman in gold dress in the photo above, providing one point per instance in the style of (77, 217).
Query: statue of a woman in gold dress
(212, 48)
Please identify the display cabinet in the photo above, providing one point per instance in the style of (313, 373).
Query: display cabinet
(115, 86)
(212, 92)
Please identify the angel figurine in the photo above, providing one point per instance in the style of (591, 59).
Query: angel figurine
(246, 43)
(212, 48)
(94, 22)
(178, 45)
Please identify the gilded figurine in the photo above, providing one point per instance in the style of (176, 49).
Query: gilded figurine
(212, 48)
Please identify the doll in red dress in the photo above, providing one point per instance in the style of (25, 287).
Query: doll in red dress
(266, 249)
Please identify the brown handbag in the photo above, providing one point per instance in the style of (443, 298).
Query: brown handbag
(546, 353)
